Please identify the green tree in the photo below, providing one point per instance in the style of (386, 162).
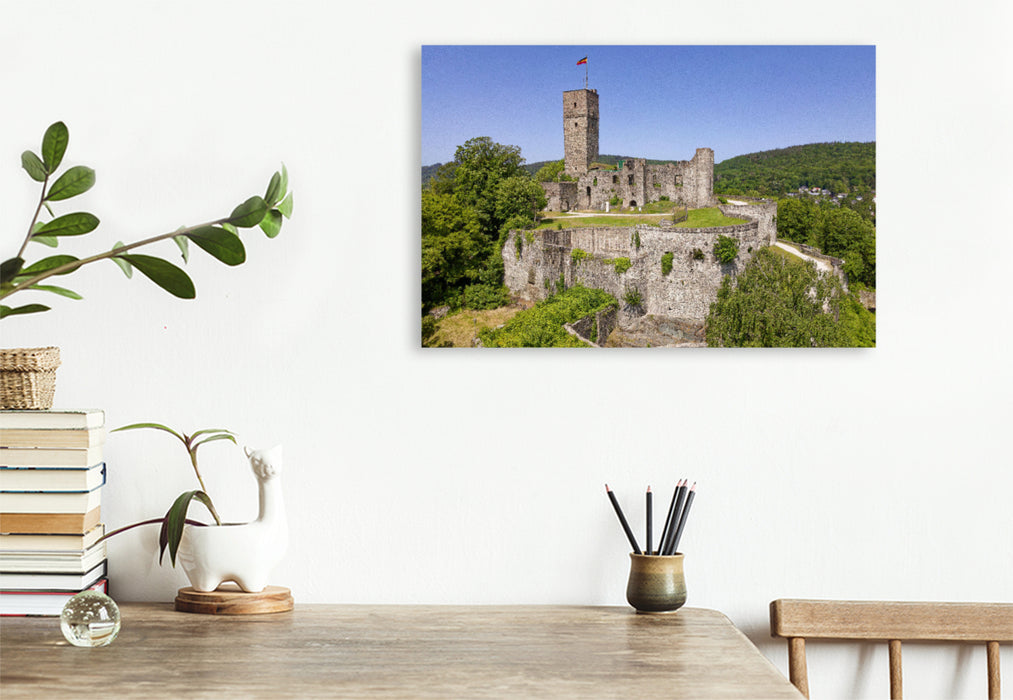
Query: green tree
(796, 219)
(551, 172)
(467, 207)
(845, 234)
(479, 166)
(518, 196)
(777, 302)
(452, 246)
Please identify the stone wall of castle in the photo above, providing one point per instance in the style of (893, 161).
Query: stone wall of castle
(545, 259)
(765, 213)
(688, 182)
(561, 196)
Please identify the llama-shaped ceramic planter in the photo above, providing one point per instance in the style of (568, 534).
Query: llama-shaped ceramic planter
(245, 553)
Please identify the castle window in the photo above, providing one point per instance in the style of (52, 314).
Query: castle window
(631, 179)
(615, 179)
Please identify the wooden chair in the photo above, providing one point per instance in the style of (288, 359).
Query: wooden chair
(799, 620)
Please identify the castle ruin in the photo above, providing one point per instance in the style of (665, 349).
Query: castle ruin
(634, 182)
(672, 270)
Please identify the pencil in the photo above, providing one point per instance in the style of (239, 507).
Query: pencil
(622, 520)
(650, 517)
(683, 517)
(669, 547)
(668, 520)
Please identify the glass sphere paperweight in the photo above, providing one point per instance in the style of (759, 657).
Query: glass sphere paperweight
(90, 619)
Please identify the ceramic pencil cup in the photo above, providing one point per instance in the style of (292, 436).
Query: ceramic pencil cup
(656, 584)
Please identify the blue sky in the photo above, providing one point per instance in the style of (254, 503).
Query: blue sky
(655, 101)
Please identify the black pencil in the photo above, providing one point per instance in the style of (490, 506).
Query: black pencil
(683, 517)
(669, 547)
(668, 520)
(650, 517)
(622, 520)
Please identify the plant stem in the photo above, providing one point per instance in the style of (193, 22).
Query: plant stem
(144, 522)
(31, 226)
(103, 256)
(193, 461)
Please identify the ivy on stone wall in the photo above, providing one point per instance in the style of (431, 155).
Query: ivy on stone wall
(726, 249)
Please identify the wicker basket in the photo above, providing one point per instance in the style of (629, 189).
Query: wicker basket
(28, 377)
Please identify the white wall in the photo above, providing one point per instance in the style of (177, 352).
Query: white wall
(471, 477)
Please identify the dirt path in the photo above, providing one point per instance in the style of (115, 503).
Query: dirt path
(821, 265)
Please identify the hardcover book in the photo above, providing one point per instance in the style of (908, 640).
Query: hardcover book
(41, 603)
(49, 502)
(53, 562)
(50, 479)
(58, 439)
(46, 542)
(83, 419)
(52, 582)
(66, 458)
(52, 523)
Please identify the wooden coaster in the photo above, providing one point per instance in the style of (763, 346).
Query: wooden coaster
(230, 599)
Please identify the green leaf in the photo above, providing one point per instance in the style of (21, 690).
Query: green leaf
(228, 437)
(164, 274)
(220, 244)
(51, 241)
(249, 213)
(75, 181)
(274, 191)
(211, 430)
(286, 206)
(47, 264)
(184, 247)
(271, 224)
(284, 180)
(230, 228)
(9, 269)
(33, 166)
(54, 145)
(56, 290)
(153, 426)
(69, 225)
(175, 519)
(127, 268)
(6, 311)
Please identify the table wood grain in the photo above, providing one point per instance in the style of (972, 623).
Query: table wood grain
(394, 651)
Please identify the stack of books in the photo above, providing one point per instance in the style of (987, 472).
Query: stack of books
(51, 478)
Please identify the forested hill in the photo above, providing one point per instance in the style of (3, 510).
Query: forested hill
(841, 167)
(429, 170)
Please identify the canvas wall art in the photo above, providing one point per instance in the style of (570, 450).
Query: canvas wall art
(648, 196)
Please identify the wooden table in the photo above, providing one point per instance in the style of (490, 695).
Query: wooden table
(394, 651)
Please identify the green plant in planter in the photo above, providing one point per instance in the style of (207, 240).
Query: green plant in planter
(219, 237)
(175, 518)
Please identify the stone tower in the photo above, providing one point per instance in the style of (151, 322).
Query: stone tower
(580, 130)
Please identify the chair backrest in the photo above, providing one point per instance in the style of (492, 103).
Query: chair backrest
(891, 622)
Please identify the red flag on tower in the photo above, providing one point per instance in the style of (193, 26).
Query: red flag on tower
(582, 61)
